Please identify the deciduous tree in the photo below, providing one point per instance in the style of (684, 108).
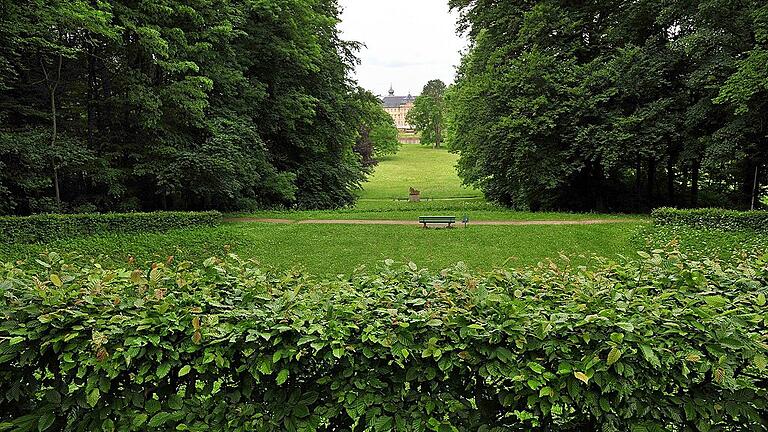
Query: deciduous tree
(428, 114)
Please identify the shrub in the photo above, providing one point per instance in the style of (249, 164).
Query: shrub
(46, 227)
(661, 344)
(711, 218)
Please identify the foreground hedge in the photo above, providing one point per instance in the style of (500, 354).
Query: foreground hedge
(47, 227)
(661, 344)
(711, 218)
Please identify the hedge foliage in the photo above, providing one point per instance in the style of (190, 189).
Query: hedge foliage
(47, 227)
(660, 344)
(710, 218)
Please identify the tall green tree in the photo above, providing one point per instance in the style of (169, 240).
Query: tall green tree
(611, 104)
(170, 104)
(428, 115)
(377, 132)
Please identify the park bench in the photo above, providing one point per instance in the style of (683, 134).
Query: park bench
(450, 220)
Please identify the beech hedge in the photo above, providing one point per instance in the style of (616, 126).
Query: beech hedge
(662, 343)
(712, 218)
(47, 227)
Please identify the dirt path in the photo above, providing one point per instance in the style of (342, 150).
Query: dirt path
(415, 223)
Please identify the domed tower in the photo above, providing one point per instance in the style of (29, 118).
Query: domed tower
(391, 90)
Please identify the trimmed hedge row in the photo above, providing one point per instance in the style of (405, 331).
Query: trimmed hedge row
(711, 218)
(47, 227)
(661, 344)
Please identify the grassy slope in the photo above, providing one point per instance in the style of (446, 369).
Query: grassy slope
(429, 170)
(330, 250)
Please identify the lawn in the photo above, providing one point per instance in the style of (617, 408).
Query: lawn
(432, 171)
(475, 208)
(339, 249)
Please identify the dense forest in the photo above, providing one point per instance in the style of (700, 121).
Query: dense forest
(612, 104)
(127, 105)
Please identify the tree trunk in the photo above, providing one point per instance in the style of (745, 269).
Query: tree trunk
(755, 189)
(695, 184)
(650, 187)
(52, 88)
(638, 183)
(92, 91)
(671, 181)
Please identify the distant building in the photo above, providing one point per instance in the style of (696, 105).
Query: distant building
(398, 107)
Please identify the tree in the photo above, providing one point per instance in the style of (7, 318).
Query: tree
(377, 132)
(428, 113)
(225, 104)
(611, 105)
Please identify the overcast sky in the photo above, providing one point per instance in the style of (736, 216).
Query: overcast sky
(408, 42)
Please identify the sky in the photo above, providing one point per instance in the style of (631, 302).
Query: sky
(408, 42)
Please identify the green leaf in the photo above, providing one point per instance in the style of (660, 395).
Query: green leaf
(614, 356)
(650, 356)
(184, 370)
(539, 369)
(300, 411)
(17, 340)
(581, 376)
(716, 301)
(761, 299)
(56, 280)
(45, 421)
(159, 419)
(163, 370)
(282, 376)
(93, 398)
(139, 420)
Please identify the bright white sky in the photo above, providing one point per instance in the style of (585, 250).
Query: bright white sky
(408, 42)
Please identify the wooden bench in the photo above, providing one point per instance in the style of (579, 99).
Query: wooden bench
(449, 220)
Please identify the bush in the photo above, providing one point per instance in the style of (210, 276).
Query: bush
(47, 227)
(662, 344)
(711, 218)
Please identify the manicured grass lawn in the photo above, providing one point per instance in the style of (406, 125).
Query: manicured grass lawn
(339, 249)
(429, 170)
(476, 209)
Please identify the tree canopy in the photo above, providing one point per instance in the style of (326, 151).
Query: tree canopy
(377, 133)
(611, 104)
(428, 113)
(127, 105)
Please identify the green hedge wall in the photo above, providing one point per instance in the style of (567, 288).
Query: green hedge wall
(47, 227)
(712, 218)
(662, 344)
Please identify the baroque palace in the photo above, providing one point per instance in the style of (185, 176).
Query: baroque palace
(398, 107)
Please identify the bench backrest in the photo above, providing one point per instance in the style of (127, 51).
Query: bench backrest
(423, 219)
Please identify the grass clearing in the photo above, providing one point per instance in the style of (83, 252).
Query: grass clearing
(339, 249)
(432, 171)
(476, 209)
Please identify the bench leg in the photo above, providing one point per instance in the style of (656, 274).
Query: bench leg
(425, 225)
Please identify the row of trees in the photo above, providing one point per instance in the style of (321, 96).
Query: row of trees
(613, 104)
(170, 104)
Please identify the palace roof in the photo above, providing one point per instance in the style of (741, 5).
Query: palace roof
(393, 101)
